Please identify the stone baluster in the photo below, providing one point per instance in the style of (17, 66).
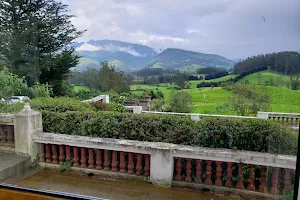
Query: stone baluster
(139, 166)
(41, 152)
(114, 162)
(54, 154)
(106, 161)
(76, 157)
(287, 179)
(147, 165)
(292, 121)
(208, 180)
(198, 170)
(229, 174)
(240, 184)
(262, 186)
(98, 159)
(83, 157)
(2, 135)
(122, 162)
(188, 177)
(68, 153)
(218, 180)
(91, 159)
(61, 154)
(274, 181)
(297, 122)
(48, 154)
(130, 163)
(282, 120)
(178, 169)
(10, 135)
(252, 177)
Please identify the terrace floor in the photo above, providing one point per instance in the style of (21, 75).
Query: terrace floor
(113, 189)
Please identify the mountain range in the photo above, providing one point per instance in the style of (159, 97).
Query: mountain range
(130, 57)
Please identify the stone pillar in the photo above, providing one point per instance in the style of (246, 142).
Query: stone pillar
(137, 109)
(262, 115)
(195, 117)
(161, 167)
(27, 122)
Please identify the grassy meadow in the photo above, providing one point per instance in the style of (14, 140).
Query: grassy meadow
(207, 100)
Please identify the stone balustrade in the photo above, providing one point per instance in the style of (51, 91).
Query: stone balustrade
(7, 130)
(162, 164)
(134, 109)
(285, 118)
(169, 164)
(196, 116)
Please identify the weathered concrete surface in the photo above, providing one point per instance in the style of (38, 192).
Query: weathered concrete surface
(6, 119)
(13, 165)
(125, 190)
(161, 165)
(27, 123)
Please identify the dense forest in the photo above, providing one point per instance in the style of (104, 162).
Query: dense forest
(286, 62)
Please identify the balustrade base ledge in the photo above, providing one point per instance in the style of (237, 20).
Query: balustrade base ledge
(102, 173)
(224, 190)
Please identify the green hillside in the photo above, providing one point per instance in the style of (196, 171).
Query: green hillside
(188, 60)
(206, 100)
(267, 76)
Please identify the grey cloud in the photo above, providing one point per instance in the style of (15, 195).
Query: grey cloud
(232, 28)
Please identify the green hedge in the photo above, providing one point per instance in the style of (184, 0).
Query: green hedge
(244, 134)
(59, 104)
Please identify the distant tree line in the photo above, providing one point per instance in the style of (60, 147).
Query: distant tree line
(286, 62)
(104, 79)
(231, 80)
(213, 72)
(153, 76)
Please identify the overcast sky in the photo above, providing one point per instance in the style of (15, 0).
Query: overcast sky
(231, 28)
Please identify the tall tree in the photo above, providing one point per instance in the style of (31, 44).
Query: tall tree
(34, 35)
(112, 80)
(180, 102)
(247, 100)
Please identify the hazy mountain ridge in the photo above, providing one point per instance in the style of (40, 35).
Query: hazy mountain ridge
(128, 56)
(178, 58)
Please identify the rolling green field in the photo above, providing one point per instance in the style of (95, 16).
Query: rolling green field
(267, 76)
(206, 100)
(77, 88)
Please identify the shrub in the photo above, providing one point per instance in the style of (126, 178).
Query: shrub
(102, 106)
(244, 134)
(11, 108)
(60, 104)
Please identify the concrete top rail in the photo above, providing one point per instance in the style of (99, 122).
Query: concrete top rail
(197, 114)
(278, 114)
(6, 119)
(226, 155)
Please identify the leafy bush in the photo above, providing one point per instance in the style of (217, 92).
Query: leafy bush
(39, 90)
(289, 194)
(244, 134)
(11, 108)
(60, 104)
(103, 106)
(11, 84)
